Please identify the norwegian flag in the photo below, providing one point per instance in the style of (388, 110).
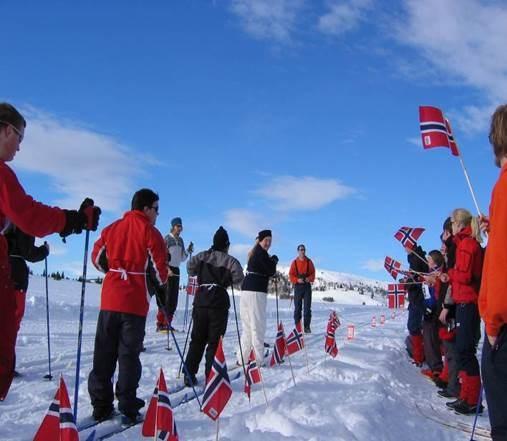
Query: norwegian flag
(59, 420)
(408, 236)
(253, 373)
(295, 341)
(218, 389)
(159, 416)
(392, 267)
(280, 347)
(167, 436)
(332, 325)
(396, 295)
(436, 129)
(192, 285)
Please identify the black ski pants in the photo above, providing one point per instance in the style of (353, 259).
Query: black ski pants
(494, 376)
(467, 337)
(432, 343)
(208, 326)
(173, 291)
(303, 295)
(119, 338)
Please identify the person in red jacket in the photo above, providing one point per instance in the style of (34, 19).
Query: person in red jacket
(465, 279)
(302, 275)
(33, 218)
(132, 253)
(493, 298)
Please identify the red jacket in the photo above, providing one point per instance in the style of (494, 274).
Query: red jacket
(128, 251)
(303, 268)
(465, 277)
(493, 298)
(30, 216)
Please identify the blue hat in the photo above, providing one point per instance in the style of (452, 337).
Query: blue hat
(176, 221)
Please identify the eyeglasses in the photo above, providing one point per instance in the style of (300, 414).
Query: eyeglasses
(155, 207)
(20, 135)
(301, 249)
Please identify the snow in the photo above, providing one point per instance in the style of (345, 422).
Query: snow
(369, 391)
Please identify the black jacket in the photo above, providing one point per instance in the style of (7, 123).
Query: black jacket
(215, 271)
(415, 292)
(21, 249)
(259, 269)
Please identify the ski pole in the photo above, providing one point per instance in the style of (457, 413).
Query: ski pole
(48, 376)
(80, 331)
(186, 342)
(187, 373)
(276, 294)
(239, 336)
(185, 318)
(477, 413)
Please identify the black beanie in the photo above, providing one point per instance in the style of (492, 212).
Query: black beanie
(221, 240)
(263, 234)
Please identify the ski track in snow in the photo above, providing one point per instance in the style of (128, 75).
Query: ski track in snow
(368, 392)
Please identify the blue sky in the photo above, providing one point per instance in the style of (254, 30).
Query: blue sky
(295, 115)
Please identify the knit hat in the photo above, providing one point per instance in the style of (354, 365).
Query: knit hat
(221, 240)
(263, 234)
(176, 221)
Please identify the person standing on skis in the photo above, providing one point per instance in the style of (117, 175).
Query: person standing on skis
(33, 218)
(302, 275)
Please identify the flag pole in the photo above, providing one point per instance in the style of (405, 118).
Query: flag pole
(471, 188)
(290, 364)
(263, 389)
(419, 256)
(218, 428)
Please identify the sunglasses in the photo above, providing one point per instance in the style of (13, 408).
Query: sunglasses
(20, 135)
(155, 208)
(301, 249)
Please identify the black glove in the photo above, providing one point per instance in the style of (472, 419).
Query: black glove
(274, 258)
(190, 248)
(86, 218)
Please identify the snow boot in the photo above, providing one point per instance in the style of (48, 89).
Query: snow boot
(131, 419)
(453, 404)
(473, 389)
(103, 413)
(308, 330)
(463, 408)
(417, 349)
(444, 394)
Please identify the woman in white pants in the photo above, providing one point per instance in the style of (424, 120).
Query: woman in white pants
(254, 292)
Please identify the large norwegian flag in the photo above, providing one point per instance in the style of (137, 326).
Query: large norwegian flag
(280, 347)
(159, 416)
(408, 236)
(58, 424)
(218, 389)
(330, 344)
(392, 267)
(396, 295)
(253, 373)
(295, 341)
(436, 129)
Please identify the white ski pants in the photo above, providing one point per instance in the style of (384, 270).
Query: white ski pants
(253, 321)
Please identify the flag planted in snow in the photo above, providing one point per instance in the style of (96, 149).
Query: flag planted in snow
(253, 373)
(280, 347)
(392, 267)
(436, 130)
(59, 421)
(159, 416)
(295, 341)
(330, 344)
(408, 236)
(218, 389)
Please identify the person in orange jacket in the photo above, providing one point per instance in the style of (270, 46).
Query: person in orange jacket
(33, 218)
(302, 275)
(465, 279)
(493, 298)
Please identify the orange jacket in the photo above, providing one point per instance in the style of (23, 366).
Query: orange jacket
(129, 251)
(303, 268)
(493, 298)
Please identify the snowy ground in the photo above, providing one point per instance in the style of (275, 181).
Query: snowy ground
(369, 391)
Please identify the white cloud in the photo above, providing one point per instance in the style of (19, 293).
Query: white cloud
(80, 162)
(244, 221)
(304, 193)
(240, 251)
(374, 265)
(268, 19)
(343, 16)
(463, 39)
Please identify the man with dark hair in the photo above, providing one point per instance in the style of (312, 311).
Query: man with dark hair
(131, 251)
(302, 275)
(492, 298)
(33, 218)
(216, 270)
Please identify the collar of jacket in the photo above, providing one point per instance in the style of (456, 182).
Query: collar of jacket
(463, 234)
(136, 213)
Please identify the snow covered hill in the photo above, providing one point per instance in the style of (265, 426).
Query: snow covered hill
(370, 391)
